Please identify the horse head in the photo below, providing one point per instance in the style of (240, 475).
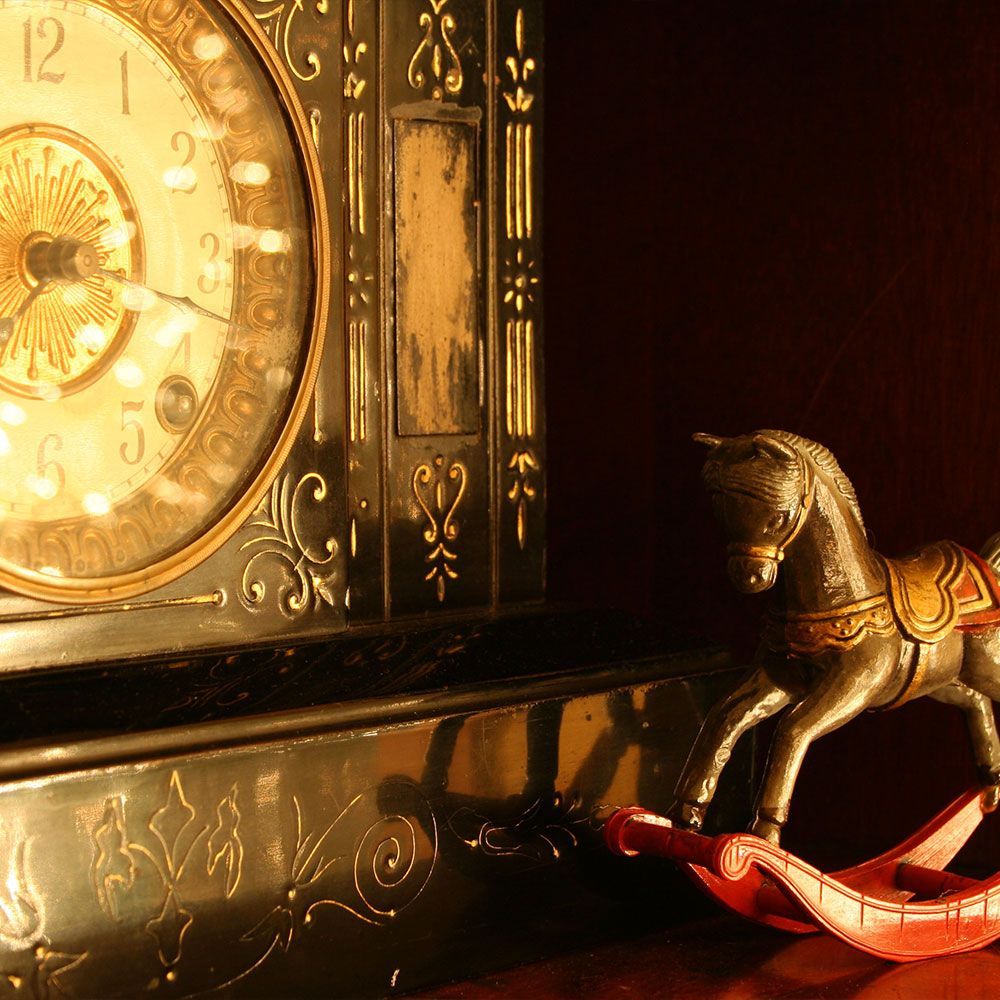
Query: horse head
(762, 491)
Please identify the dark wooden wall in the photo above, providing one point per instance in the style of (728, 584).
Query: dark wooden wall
(778, 214)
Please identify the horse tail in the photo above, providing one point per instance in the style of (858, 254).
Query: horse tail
(991, 552)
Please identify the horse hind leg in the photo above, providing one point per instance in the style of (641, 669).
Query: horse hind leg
(980, 668)
(978, 711)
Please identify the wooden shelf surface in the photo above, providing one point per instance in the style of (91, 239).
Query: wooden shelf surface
(729, 959)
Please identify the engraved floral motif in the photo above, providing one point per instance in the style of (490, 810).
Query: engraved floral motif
(522, 490)
(163, 849)
(225, 847)
(113, 870)
(520, 68)
(435, 48)
(37, 969)
(543, 832)
(430, 487)
(40, 974)
(520, 281)
(20, 911)
(279, 539)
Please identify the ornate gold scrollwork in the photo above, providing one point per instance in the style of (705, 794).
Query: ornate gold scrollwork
(393, 859)
(522, 491)
(520, 278)
(432, 51)
(277, 18)
(430, 489)
(520, 140)
(280, 540)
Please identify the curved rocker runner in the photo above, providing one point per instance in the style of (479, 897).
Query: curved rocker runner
(901, 906)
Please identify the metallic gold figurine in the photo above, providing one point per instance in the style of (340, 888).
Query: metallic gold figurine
(850, 629)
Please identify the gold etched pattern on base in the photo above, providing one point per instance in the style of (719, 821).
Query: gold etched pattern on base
(163, 851)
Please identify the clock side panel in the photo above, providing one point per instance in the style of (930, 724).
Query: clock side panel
(443, 296)
(282, 573)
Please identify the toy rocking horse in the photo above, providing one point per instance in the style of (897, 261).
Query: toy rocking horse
(852, 630)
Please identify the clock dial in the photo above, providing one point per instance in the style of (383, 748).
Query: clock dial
(156, 289)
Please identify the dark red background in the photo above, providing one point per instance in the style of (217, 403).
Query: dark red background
(774, 215)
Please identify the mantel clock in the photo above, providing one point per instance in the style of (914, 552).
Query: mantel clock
(269, 319)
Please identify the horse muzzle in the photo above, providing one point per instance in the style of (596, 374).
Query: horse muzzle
(753, 574)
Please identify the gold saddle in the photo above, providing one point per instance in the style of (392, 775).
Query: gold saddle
(939, 588)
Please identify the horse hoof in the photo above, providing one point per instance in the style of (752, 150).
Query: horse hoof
(991, 798)
(767, 830)
(687, 815)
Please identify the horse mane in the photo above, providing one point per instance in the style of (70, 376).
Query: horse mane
(823, 459)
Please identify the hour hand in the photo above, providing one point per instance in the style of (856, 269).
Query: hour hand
(7, 323)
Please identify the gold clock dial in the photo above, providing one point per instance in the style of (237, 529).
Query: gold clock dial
(157, 288)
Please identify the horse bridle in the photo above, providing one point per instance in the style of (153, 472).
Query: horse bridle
(775, 553)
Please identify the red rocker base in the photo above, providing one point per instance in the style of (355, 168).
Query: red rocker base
(901, 906)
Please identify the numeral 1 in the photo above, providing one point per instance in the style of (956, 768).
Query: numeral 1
(124, 62)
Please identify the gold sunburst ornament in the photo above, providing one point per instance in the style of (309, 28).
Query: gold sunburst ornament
(65, 218)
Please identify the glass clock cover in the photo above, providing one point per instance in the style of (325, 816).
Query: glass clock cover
(156, 281)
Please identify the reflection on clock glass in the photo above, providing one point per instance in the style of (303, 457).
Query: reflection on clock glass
(155, 288)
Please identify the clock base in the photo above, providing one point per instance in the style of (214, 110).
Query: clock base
(363, 817)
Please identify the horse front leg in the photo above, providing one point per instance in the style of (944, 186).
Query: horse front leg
(852, 681)
(757, 698)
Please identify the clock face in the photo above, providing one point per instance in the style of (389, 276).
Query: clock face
(157, 281)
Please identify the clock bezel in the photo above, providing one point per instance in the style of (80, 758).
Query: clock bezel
(116, 587)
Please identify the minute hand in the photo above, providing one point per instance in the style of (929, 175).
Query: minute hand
(185, 304)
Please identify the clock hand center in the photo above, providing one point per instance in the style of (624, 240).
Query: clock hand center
(63, 259)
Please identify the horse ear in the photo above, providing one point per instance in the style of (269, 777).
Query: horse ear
(708, 440)
(773, 448)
